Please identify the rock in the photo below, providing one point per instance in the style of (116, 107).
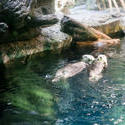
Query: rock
(81, 31)
(54, 36)
(103, 21)
(19, 16)
(19, 13)
(50, 38)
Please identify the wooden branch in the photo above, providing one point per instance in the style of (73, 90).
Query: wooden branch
(116, 5)
(98, 4)
(99, 43)
(98, 34)
(122, 3)
(104, 4)
(110, 5)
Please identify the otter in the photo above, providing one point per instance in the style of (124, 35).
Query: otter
(72, 69)
(96, 69)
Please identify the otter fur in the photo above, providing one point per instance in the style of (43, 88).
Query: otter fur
(96, 69)
(72, 69)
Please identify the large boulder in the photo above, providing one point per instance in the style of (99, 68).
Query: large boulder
(18, 17)
(51, 38)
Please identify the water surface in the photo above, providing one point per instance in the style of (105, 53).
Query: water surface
(28, 97)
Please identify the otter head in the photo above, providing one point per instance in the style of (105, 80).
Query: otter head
(102, 58)
(89, 59)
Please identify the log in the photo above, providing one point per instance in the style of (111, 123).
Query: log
(104, 4)
(123, 4)
(81, 31)
(99, 43)
(110, 5)
(116, 5)
(98, 4)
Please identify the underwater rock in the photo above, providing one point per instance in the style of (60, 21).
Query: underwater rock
(19, 16)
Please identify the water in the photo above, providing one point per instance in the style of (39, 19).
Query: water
(28, 97)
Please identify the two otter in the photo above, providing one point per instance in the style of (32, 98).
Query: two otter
(96, 66)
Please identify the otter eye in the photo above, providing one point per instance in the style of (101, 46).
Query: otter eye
(100, 59)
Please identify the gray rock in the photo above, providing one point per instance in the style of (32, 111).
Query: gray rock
(20, 17)
(51, 38)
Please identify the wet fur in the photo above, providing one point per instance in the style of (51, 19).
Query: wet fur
(96, 69)
(69, 71)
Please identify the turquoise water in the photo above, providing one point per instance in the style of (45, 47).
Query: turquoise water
(28, 97)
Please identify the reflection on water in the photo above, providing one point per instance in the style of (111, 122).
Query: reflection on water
(30, 98)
